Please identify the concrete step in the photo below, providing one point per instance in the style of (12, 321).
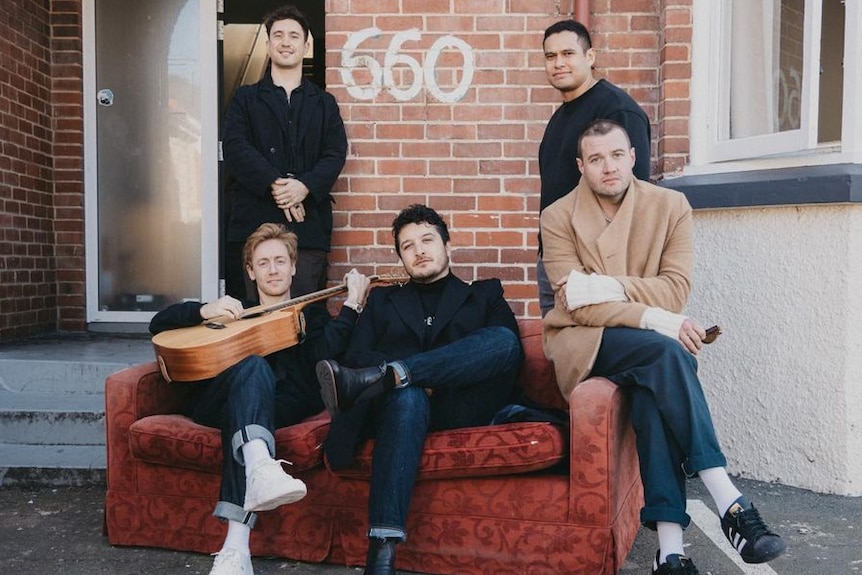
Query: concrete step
(53, 456)
(51, 419)
(52, 406)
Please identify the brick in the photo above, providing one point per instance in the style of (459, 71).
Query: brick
(426, 149)
(426, 185)
(632, 6)
(373, 6)
(482, 7)
(500, 203)
(531, 6)
(421, 7)
(453, 168)
(482, 149)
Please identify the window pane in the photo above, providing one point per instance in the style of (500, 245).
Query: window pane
(831, 72)
(149, 153)
(766, 44)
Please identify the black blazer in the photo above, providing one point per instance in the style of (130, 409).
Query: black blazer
(392, 327)
(256, 153)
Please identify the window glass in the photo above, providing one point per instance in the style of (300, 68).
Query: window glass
(766, 69)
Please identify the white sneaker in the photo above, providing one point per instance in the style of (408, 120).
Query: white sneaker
(231, 562)
(268, 487)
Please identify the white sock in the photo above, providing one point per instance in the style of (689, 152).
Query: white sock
(722, 489)
(669, 539)
(254, 452)
(237, 537)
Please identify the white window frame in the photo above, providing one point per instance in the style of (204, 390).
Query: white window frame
(710, 93)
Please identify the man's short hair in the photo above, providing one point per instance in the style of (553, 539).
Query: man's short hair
(418, 214)
(286, 12)
(570, 26)
(266, 232)
(601, 127)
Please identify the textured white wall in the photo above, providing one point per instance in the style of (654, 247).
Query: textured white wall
(784, 381)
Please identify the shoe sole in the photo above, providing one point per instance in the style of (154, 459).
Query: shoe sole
(298, 491)
(328, 391)
(764, 558)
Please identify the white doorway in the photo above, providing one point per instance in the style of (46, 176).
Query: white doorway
(151, 156)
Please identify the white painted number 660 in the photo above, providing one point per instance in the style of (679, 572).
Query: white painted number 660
(382, 77)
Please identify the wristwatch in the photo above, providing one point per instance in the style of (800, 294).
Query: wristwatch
(357, 307)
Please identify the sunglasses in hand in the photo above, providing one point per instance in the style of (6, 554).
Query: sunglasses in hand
(712, 334)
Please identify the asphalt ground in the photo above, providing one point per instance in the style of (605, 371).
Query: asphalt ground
(58, 530)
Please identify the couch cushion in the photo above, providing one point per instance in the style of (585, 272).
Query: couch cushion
(479, 451)
(177, 441)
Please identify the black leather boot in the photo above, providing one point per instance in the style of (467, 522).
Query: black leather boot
(341, 387)
(381, 556)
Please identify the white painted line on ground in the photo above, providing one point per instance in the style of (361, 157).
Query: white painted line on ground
(708, 522)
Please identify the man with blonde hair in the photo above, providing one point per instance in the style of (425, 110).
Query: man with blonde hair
(249, 400)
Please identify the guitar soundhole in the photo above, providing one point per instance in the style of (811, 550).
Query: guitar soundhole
(215, 325)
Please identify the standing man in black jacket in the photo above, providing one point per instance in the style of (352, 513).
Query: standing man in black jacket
(436, 353)
(284, 147)
(569, 60)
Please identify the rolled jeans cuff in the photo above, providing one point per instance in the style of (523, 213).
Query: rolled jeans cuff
(231, 512)
(693, 465)
(246, 434)
(388, 533)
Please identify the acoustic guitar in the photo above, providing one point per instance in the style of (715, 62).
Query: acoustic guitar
(203, 351)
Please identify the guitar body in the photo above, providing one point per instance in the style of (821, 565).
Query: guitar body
(201, 352)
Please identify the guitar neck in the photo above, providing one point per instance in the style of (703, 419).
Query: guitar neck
(301, 301)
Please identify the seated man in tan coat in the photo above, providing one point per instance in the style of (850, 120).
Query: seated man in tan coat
(620, 254)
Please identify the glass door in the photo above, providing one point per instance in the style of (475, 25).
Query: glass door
(151, 151)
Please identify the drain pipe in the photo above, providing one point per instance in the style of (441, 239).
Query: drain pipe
(582, 12)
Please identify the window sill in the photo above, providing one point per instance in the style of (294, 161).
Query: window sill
(824, 184)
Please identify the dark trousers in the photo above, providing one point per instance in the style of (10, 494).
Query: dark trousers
(470, 380)
(246, 402)
(675, 434)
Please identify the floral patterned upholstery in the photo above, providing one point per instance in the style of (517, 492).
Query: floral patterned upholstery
(509, 499)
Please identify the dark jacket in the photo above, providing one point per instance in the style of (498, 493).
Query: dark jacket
(392, 327)
(559, 147)
(258, 150)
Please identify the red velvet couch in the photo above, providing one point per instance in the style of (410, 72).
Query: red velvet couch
(513, 499)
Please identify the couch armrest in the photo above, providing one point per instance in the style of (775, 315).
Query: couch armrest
(603, 454)
(132, 394)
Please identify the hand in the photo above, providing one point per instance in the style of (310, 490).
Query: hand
(224, 306)
(357, 287)
(691, 335)
(289, 193)
(295, 213)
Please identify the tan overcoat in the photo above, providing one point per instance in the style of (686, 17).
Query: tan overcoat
(648, 247)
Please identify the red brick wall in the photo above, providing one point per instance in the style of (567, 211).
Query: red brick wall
(67, 88)
(474, 159)
(27, 276)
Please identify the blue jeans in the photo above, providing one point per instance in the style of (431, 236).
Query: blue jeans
(246, 402)
(470, 380)
(675, 434)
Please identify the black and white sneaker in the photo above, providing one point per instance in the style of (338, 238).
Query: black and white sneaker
(675, 565)
(748, 533)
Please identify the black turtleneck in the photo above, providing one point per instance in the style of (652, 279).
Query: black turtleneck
(429, 295)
